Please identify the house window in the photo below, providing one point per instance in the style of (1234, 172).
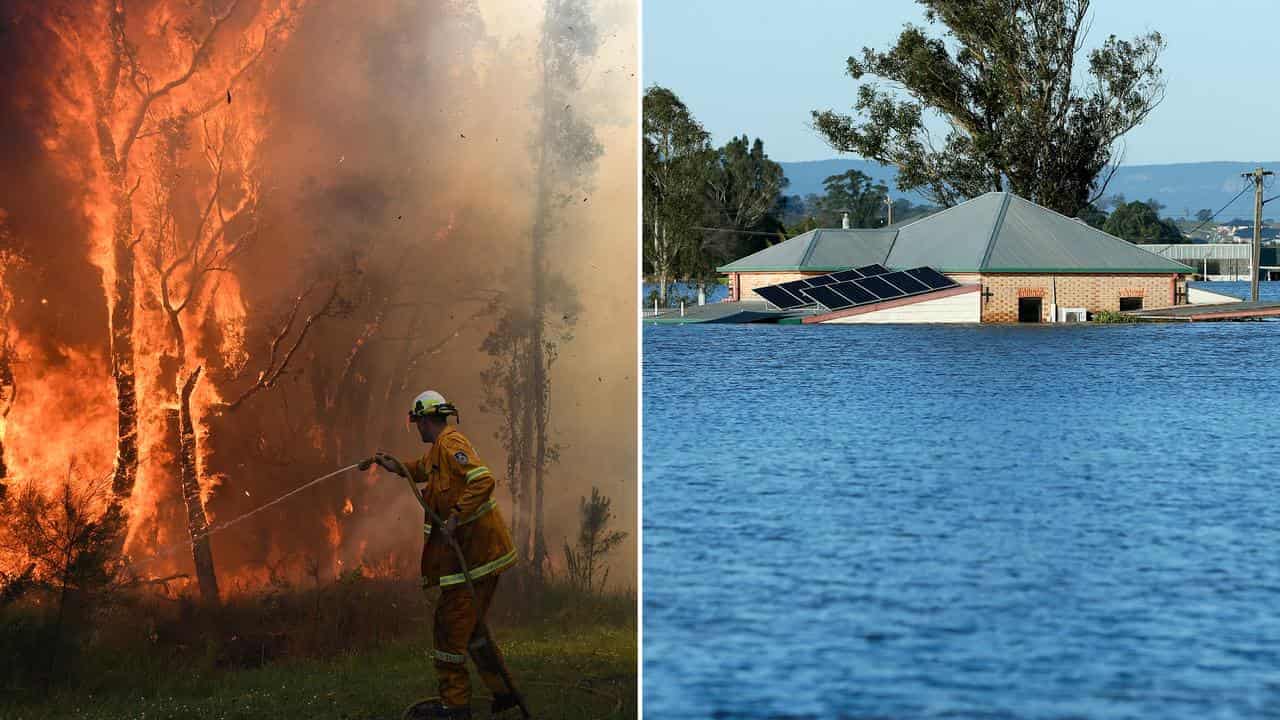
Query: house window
(1130, 303)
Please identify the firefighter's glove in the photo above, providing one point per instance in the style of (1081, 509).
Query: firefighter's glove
(388, 462)
(451, 523)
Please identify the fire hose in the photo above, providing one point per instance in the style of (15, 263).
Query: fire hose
(436, 520)
(224, 525)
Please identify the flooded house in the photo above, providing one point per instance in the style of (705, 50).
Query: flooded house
(997, 258)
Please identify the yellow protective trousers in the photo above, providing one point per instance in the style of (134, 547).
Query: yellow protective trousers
(460, 630)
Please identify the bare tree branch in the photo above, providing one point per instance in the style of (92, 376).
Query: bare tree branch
(198, 56)
(268, 376)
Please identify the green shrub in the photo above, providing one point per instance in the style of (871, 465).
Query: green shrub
(1109, 317)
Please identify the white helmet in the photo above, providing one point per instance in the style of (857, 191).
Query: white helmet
(430, 402)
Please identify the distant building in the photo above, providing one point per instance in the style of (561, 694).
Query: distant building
(1220, 261)
(1020, 261)
(1245, 233)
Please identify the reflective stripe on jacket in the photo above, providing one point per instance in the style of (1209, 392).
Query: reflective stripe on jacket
(458, 483)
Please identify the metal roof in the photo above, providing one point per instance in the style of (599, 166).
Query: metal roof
(1031, 237)
(831, 247)
(822, 249)
(995, 232)
(955, 239)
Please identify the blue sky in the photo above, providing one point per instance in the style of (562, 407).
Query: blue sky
(759, 67)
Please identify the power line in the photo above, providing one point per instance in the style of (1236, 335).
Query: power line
(1246, 189)
(740, 232)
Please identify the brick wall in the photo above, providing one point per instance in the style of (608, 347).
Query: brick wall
(966, 278)
(1093, 292)
(748, 282)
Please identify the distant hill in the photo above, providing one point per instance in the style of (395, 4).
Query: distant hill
(1184, 188)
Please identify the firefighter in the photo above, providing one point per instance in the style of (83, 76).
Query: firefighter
(453, 482)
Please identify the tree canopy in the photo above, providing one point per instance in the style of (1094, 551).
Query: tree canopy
(1139, 222)
(1093, 216)
(854, 192)
(1003, 79)
(703, 206)
(677, 159)
(865, 201)
(743, 187)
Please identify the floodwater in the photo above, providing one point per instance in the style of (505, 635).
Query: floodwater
(931, 521)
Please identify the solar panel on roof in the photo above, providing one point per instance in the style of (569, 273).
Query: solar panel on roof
(905, 282)
(879, 287)
(795, 286)
(932, 278)
(830, 299)
(780, 298)
(855, 287)
(855, 292)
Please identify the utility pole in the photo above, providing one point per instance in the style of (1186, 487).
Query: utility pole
(1257, 177)
(888, 201)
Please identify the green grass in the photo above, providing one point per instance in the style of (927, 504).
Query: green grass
(572, 658)
(564, 672)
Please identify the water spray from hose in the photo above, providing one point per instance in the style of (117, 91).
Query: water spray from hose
(170, 549)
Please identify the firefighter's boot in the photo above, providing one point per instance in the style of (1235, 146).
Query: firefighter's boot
(433, 709)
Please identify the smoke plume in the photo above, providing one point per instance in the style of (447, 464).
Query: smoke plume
(365, 191)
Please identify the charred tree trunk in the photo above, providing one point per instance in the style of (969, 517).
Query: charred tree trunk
(538, 410)
(528, 443)
(115, 161)
(197, 521)
(4, 472)
(515, 458)
(122, 62)
(525, 457)
(188, 473)
(122, 369)
(537, 358)
(7, 390)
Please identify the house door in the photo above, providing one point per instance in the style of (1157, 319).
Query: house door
(1029, 309)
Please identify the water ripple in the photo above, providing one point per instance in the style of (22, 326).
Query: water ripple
(978, 522)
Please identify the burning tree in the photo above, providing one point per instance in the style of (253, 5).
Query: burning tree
(184, 256)
(8, 384)
(153, 74)
(186, 64)
(277, 257)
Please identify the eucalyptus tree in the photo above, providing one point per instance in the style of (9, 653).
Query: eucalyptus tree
(854, 192)
(743, 188)
(677, 162)
(1025, 108)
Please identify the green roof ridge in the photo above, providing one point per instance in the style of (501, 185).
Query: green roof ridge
(813, 244)
(995, 231)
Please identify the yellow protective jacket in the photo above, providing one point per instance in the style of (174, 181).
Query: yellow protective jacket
(453, 481)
